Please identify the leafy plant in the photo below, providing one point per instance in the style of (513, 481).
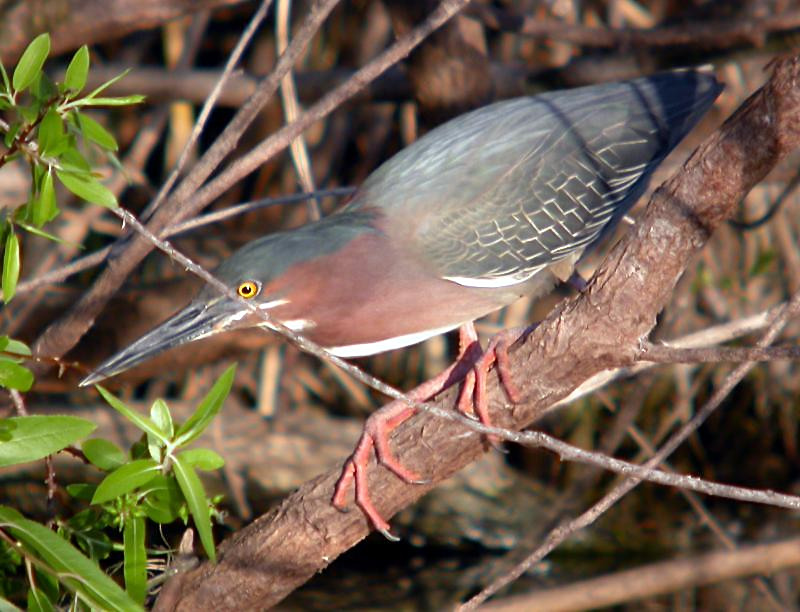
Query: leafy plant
(45, 124)
(156, 481)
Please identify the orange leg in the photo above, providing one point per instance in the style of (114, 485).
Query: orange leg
(472, 367)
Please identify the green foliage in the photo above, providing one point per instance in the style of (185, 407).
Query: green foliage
(74, 570)
(149, 482)
(156, 481)
(12, 374)
(29, 438)
(46, 125)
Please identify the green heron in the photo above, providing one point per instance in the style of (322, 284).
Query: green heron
(493, 205)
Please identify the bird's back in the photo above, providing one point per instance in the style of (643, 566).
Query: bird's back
(495, 195)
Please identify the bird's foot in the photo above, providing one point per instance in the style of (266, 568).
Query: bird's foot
(375, 435)
(472, 398)
(472, 368)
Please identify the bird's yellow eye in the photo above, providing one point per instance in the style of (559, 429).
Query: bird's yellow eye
(248, 289)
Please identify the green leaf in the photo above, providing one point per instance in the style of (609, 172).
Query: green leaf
(17, 347)
(207, 409)
(77, 71)
(135, 564)
(159, 413)
(29, 113)
(6, 82)
(31, 62)
(101, 88)
(115, 101)
(103, 454)
(95, 132)
(43, 91)
(10, 266)
(33, 437)
(203, 459)
(38, 601)
(163, 499)
(86, 529)
(72, 161)
(142, 422)
(14, 376)
(125, 479)
(44, 208)
(195, 496)
(81, 491)
(79, 574)
(51, 132)
(87, 187)
(46, 235)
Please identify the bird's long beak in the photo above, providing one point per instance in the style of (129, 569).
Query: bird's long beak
(196, 321)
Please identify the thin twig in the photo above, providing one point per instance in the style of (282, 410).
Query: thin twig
(209, 104)
(291, 109)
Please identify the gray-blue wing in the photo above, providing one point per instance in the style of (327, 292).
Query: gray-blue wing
(491, 197)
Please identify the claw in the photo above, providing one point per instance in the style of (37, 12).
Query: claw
(472, 368)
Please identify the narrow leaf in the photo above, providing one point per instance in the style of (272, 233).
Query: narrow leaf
(101, 88)
(47, 235)
(38, 601)
(6, 82)
(142, 422)
(207, 409)
(135, 563)
(51, 132)
(115, 101)
(33, 437)
(77, 71)
(195, 496)
(125, 479)
(79, 574)
(87, 187)
(95, 132)
(159, 413)
(44, 206)
(31, 62)
(10, 266)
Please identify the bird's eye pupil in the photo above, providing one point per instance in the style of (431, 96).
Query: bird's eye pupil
(248, 289)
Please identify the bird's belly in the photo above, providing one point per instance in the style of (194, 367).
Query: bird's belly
(385, 320)
(381, 346)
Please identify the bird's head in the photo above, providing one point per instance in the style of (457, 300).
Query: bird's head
(265, 272)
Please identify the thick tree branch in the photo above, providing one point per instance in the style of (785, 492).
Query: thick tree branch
(600, 329)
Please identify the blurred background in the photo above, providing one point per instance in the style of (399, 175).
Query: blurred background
(292, 416)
